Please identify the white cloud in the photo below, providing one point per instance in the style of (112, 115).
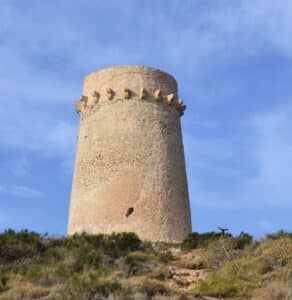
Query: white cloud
(21, 191)
(267, 155)
(227, 31)
(273, 153)
(271, 22)
(207, 156)
(38, 132)
(34, 88)
(199, 36)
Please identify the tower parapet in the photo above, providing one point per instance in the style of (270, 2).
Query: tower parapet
(87, 105)
(130, 169)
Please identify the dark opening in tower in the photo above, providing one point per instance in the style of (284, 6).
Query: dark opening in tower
(130, 210)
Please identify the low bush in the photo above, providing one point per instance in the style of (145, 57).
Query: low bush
(279, 234)
(19, 245)
(135, 264)
(120, 266)
(202, 240)
(242, 240)
(162, 273)
(153, 287)
(222, 285)
(197, 240)
(166, 256)
(3, 284)
(238, 272)
(273, 291)
(220, 251)
(90, 286)
(277, 253)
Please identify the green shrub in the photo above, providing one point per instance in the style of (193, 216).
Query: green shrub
(84, 257)
(152, 288)
(166, 256)
(86, 266)
(242, 240)
(51, 255)
(3, 283)
(220, 251)
(279, 234)
(19, 245)
(161, 273)
(90, 286)
(33, 272)
(277, 252)
(135, 265)
(221, 285)
(273, 291)
(114, 245)
(123, 242)
(196, 240)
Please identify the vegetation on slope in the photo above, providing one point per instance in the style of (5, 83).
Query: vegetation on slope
(121, 266)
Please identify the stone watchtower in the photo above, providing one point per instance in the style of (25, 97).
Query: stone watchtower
(130, 168)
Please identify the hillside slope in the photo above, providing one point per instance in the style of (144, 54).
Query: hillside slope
(120, 266)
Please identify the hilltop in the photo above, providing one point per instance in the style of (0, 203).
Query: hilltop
(121, 266)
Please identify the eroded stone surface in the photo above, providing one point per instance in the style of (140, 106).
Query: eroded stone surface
(130, 155)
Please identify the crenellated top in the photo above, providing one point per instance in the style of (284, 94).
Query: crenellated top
(86, 104)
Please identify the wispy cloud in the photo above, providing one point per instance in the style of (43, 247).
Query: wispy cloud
(273, 152)
(269, 155)
(220, 32)
(21, 192)
(233, 160)
(38, 132)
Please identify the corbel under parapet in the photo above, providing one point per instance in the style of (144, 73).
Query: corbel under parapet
(110, 93)
(143, 94)
(96, 97)
(81, 104)
(157, 95)
(126, 93)
(170, 98)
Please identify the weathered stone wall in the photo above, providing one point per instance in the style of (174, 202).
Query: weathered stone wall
(130, 169)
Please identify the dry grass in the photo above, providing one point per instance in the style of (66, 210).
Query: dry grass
(120, 267)
(274, 291)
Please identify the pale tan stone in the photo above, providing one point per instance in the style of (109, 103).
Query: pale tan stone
(81, 104)
(95, 96)
(84, 99)
(130, 168)
(127, 93)
(180, 108)
(170, 98)
(157, 95)
(110, 93)
(143, 93)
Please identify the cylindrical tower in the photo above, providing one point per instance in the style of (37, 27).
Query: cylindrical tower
(130, 169)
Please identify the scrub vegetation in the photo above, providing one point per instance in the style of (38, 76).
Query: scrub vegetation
(121, 266)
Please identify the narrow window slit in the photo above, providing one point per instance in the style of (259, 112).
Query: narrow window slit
(130, 210)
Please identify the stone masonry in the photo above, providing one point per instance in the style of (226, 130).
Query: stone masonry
(130, 168)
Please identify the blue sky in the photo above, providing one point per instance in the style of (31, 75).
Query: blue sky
(233, 64)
